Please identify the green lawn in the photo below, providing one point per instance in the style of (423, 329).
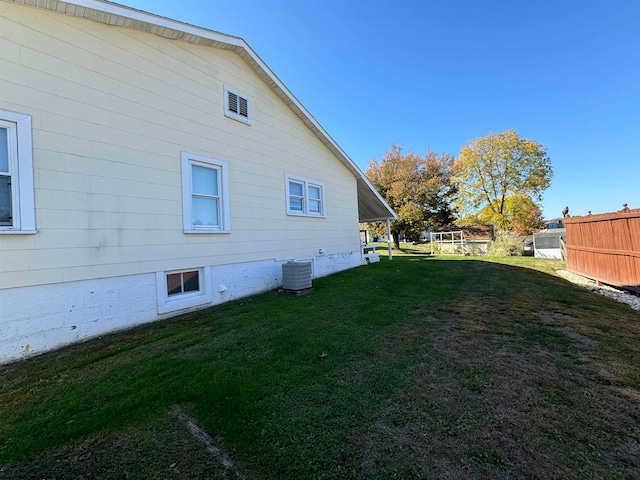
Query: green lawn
(421, 367)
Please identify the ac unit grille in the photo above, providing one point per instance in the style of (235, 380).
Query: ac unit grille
(296, 275)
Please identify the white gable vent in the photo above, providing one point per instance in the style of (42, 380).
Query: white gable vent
(237, 106)
(296, 276)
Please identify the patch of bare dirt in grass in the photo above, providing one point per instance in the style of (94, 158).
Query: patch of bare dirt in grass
(552, 318)
(578, 339)
(627, 455)
(629, 392)
(489, 401)
(560, 320)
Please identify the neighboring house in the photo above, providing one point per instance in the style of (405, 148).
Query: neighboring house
(149, 167)
(554, 223)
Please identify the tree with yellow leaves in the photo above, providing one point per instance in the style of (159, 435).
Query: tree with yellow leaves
(521, 216)
(493, 171)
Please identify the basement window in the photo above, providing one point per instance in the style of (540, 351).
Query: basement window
(183, 282)
(181, 289)
(237, 106)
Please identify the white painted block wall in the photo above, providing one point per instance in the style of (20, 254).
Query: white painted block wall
(34, 320)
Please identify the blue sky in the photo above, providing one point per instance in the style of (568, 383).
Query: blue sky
(435, 74)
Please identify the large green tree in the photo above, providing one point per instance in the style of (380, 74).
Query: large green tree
(418, 188)
(500, 167)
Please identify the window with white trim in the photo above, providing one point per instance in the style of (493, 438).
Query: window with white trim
(180, 289)
(237, 106)
(17, 209)
(205, 194)
(304, 196)
(180, 283)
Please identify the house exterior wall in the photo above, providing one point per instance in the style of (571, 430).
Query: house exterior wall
(112, 109)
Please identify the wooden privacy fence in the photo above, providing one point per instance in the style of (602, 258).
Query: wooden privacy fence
(606, 247)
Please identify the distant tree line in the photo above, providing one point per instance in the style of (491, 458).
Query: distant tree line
(498, 179)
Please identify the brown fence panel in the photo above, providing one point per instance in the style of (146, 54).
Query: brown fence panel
(606, 247)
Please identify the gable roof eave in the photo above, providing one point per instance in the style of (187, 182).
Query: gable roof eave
(370, 203)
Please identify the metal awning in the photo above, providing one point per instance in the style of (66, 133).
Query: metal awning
(371, 206)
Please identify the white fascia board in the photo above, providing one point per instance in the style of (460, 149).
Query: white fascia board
(157, 20)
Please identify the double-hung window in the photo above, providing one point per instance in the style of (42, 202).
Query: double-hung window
(205, 194)
(304, 196)
(17, 210)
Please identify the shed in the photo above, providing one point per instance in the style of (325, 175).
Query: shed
(548, 244)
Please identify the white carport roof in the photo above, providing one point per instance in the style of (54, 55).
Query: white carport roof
(371, 206)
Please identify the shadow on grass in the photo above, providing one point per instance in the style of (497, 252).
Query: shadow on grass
(434, 367)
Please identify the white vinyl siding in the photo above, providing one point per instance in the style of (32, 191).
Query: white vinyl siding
(237, 106)
(304, 196)
(204, 194)
(17, 213)
(107, 145)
